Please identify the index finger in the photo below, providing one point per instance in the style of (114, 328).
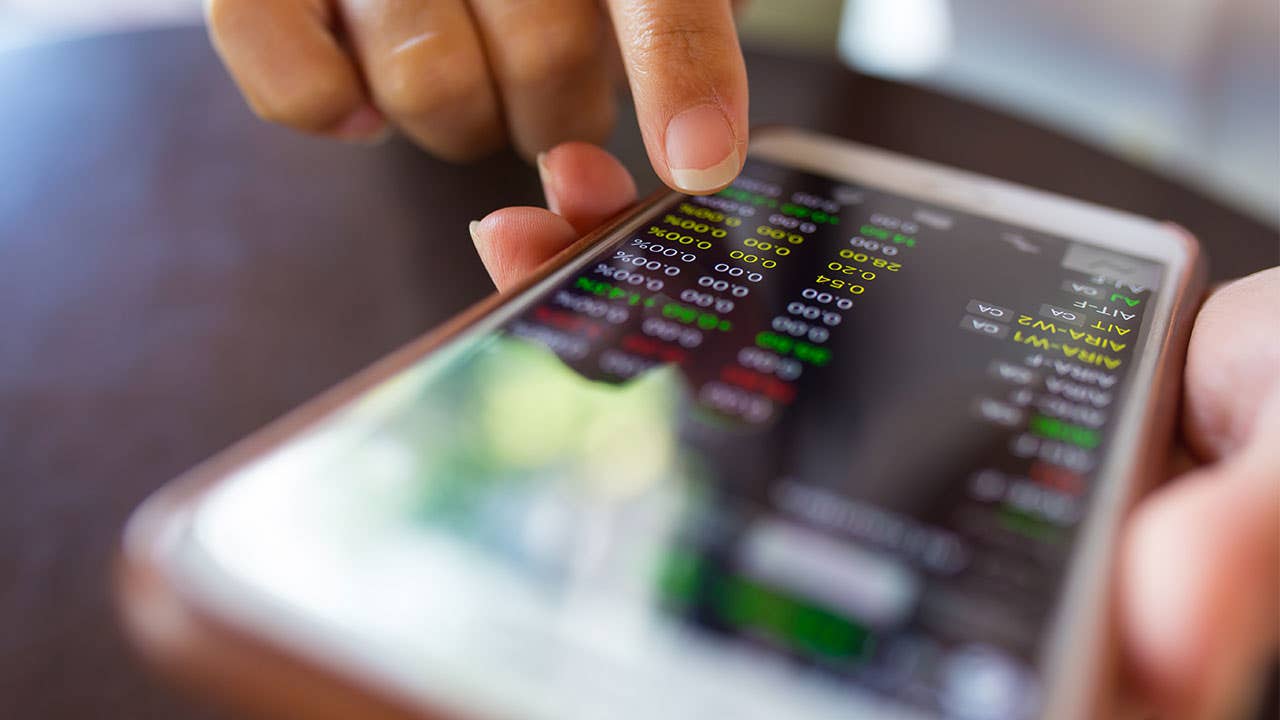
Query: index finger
(690, 88)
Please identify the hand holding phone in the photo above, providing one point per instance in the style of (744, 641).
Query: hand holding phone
(853, 436)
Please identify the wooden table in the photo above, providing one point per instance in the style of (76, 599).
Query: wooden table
(174, 274)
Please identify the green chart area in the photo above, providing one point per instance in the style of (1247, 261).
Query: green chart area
(751, 608)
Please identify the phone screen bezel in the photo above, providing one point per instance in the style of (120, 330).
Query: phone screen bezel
(156, 536)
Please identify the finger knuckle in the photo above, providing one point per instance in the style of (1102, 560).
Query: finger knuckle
(550, 43)
(428, 79)
(314, 104)
(220, 14)
(312, 96)
(232, 22)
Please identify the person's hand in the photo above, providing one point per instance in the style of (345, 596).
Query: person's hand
(1200, 570)
(1200, 567)
(461, 77)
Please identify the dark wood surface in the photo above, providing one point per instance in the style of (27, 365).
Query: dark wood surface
(174, 274)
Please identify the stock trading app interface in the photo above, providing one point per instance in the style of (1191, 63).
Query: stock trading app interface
(846, 431)
(901, 410)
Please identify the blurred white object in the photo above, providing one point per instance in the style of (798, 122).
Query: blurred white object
(105, 12)
(899, 38)
(1191, 87)
(23, 22)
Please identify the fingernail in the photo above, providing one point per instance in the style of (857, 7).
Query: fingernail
(702, 151)
(474, 229)
(365, 125)
(544, 174)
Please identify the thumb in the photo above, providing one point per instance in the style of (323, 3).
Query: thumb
(1201, 564)
(1200, 574)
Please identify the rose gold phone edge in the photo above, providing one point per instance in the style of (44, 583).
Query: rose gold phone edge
(181, 638)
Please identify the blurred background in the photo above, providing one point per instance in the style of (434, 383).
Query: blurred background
(1189, 87)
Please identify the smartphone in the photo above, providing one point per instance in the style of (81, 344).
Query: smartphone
(854, 437)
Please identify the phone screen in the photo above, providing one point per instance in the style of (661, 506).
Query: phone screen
(795, 446)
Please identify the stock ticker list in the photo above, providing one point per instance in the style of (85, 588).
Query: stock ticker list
(699, 286)
(890, 391)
